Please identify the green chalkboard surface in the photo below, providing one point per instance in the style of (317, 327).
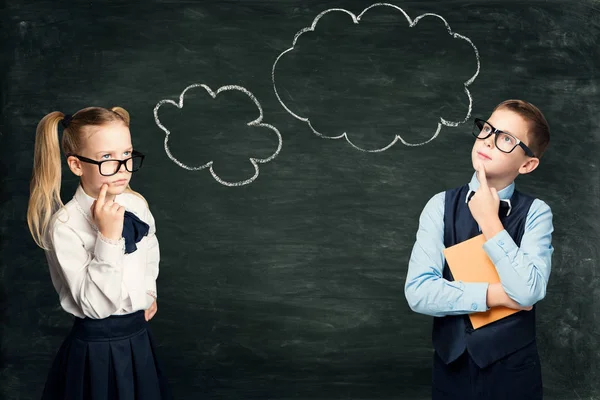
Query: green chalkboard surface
(290, 147)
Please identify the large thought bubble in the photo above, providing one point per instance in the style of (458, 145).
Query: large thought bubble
(367, 78)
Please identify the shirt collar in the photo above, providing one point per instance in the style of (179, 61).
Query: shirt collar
(504, 194)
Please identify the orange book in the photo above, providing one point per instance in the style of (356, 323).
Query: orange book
(468, 262)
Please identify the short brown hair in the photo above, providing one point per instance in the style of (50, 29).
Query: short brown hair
(539, 131)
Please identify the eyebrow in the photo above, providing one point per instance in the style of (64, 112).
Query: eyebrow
(501, 130)
(112, 151)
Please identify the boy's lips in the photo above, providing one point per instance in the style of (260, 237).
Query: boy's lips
(483, 155)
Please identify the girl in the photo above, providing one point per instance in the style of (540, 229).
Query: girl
(103, 257)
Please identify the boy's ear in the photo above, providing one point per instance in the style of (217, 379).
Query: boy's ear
(74, 165)
(529, 165)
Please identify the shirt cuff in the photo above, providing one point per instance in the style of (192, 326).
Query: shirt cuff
(108, 250)
(150, 298)
(500, 246)
(151, 286)
(475, 296)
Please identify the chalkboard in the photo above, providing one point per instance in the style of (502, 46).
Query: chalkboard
(288, 192)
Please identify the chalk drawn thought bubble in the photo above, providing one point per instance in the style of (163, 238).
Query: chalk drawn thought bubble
(209, 164)
(374, 70)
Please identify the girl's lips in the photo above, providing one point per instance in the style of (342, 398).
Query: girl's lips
(484, 156)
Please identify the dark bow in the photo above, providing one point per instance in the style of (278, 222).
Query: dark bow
(134, 230)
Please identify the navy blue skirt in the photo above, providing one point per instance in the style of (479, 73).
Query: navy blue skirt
(107, 359)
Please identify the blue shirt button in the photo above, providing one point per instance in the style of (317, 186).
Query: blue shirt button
(474, 306)
(501, 242)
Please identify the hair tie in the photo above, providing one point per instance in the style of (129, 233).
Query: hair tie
(66, 120)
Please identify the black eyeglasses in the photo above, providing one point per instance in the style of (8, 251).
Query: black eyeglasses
(111, 167)
(505, 142)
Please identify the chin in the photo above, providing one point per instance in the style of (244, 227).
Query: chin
(117, 190)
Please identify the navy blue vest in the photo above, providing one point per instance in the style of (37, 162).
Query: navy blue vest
(453, 334)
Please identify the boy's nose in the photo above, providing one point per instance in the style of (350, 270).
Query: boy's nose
(489, 141)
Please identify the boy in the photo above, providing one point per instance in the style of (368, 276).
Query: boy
(499, 360)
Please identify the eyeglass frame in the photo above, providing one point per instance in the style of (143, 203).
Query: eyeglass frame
(134, 153)
(496, 132)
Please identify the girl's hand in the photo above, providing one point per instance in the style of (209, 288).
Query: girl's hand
(108, 215)
(149, 313)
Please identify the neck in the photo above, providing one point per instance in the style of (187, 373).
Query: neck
(500, 182)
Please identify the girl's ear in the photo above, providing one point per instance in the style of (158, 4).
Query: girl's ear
(75, 165)
(529, 165)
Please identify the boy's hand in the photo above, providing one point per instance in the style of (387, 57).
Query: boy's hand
(484, 206)
(496, 297)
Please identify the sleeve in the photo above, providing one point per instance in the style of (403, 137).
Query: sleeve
(94, 280)
(524, 271)
(153, 258)
(426, 290)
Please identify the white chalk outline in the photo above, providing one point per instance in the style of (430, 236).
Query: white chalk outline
(412, 23)
(256, 122)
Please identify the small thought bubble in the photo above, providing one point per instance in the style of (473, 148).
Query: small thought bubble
(209, 163)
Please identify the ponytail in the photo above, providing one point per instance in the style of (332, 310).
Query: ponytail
(121, 112)
(44, 199)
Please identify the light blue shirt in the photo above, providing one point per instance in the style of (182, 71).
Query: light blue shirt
(524, 271)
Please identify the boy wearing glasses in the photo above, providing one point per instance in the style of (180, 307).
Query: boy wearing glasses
(499, 360)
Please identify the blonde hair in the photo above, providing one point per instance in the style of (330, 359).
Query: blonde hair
(44, 198)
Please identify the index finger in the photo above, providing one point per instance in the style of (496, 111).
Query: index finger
(102, 195)
(481, 176)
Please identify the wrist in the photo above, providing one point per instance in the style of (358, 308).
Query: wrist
(111, 235)
(495, 295)
(491, 227)
(112, 239)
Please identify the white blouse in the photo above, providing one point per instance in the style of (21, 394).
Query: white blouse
(92, 275)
